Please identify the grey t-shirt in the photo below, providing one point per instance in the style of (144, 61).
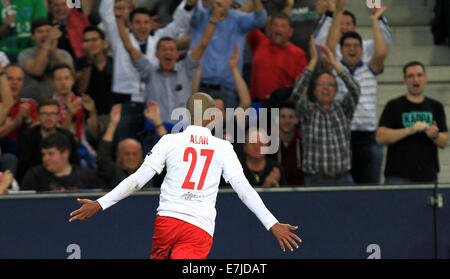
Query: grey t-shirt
(37, 87)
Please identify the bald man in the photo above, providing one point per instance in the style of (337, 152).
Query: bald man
(195, 160)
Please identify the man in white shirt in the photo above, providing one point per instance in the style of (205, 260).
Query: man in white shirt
(194, 160)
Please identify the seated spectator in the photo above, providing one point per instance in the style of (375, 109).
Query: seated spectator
(129, 153)
(94, 73)
(71, 23)
(15, 25)
(6, 98)
(39, 60)
(216, 77)
(277, 62)
(168, 83)
(77, 114)
(260, 170)
(289, 154)
(22, 114)
(413, 126)
(326, 124)
(30, 139)
(56, 173)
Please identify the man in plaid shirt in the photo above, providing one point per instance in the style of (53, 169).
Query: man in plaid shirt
(326, 124)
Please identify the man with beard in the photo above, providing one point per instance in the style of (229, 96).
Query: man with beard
(30, 139)
(413, 126)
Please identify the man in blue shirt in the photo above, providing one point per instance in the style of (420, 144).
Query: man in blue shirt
(231, 31)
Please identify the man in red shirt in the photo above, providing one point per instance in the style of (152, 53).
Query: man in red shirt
(276, 61)
(22, 114)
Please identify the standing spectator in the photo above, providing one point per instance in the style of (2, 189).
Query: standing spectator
(289, 155)
(277, 62)
(326, 124)
(413, 126)
(73, 110)
(216, 77)
(367, 155)
(169, 83)
(71, 23)
(260, 170)
(56, 173)
(127, 86)
(347, 24)
(22, 114)
(39, 60)
(7, 161)
(30, 139)
(95, 72)
(16, 18)
(440, 24)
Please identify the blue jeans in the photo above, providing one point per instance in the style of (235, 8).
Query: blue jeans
(367, 158)
(314, 180)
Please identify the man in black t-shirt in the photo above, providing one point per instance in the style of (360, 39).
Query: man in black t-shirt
(56, 173)
(413, 126)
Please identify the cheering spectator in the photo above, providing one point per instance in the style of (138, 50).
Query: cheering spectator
(72, 110)
(129, 153)
(56, 173)
(22, 114)
(16, 18)
(326, 124)
(216, 77)
(277, 62)
(95, 72)
(413, 126)
(30, 139)
(347, 23)
(39, 60)
(71, 23)
(367, 155)
(168, 83)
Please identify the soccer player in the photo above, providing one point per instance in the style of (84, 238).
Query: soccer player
(194, 159)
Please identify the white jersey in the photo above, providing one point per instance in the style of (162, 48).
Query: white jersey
(195, 161)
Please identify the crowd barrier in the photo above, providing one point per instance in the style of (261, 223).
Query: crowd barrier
(357, 222)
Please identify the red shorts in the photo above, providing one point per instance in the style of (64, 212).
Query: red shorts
(177, 239)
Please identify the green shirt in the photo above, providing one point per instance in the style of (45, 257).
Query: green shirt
(18, 38)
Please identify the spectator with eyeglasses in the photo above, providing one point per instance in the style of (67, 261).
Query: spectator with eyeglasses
(325, 124)
(367, 154)
(30, 139)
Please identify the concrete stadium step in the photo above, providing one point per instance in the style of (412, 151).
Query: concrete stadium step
(428, 55)
(394, 74)
(403, 35)
(444, 174)
(399, 12)
(437, 91)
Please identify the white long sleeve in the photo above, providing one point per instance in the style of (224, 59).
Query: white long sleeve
(127, 187)
(252, 200)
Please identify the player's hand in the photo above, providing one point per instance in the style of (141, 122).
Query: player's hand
(285, 237)
(86, 211)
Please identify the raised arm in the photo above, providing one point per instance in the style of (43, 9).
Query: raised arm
(242, 88)
(134, 53)
(334, 34)
(377, 61)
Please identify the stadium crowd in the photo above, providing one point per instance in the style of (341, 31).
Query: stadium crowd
(87, 91)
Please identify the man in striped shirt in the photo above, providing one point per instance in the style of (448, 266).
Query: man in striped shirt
(326, 124)
(367, 155)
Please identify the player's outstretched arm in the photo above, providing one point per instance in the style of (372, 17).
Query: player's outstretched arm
(125, 188)
(282, 232)
(285, 237)
(86, 211)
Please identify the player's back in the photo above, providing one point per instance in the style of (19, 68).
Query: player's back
(194, 161)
